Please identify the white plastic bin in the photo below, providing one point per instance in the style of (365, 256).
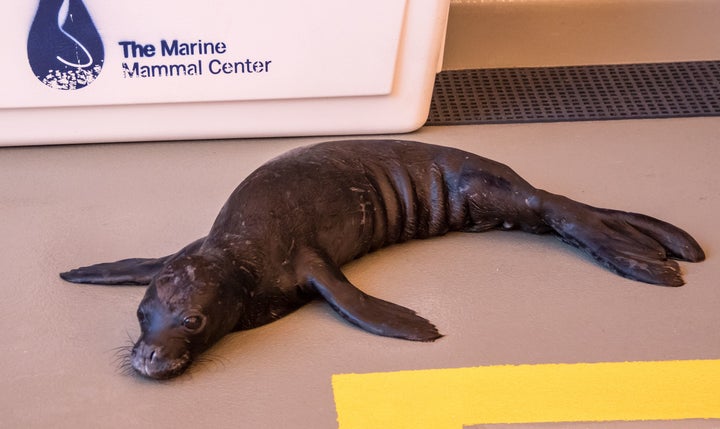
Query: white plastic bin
(96, 71)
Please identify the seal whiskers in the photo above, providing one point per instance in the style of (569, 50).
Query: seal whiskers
(121, 356)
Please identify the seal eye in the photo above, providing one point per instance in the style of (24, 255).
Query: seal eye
(192, 323)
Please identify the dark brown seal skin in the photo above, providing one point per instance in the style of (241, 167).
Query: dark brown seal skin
(286, 230)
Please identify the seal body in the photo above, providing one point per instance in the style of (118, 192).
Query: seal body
(285, 231)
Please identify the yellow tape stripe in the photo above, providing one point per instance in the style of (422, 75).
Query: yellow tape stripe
(452, 398)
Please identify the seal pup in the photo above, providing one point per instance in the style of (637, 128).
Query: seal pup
(285, 231)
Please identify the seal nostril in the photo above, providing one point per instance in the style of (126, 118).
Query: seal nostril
(152, 356)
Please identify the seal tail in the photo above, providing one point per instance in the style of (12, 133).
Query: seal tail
(632, 245)
(133, 271)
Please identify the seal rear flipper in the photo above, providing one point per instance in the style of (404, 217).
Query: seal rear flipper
(133, 271)
(633, 245)
(367, 312)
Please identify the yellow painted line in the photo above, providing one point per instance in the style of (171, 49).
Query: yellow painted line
(453, 398)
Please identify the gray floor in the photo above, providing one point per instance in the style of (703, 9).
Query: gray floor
(500, 298)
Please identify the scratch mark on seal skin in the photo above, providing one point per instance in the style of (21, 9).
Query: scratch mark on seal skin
(363, 210)
(190, 270)
(290, 250)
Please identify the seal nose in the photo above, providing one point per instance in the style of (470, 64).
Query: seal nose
(154, 361)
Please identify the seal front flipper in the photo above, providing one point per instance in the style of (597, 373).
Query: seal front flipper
(367, 312)
(133, 271)
(633, 245)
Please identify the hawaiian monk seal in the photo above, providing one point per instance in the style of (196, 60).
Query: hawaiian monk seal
(286, 230)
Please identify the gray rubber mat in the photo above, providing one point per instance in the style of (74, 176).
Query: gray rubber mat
(576, 93)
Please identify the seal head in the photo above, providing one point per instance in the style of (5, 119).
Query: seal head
(188, 307)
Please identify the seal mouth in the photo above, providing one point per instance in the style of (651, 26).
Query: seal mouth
(150, 362)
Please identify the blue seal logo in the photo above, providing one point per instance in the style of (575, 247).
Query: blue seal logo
(64, 48)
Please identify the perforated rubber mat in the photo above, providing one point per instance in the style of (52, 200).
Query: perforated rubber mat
(576, 93)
